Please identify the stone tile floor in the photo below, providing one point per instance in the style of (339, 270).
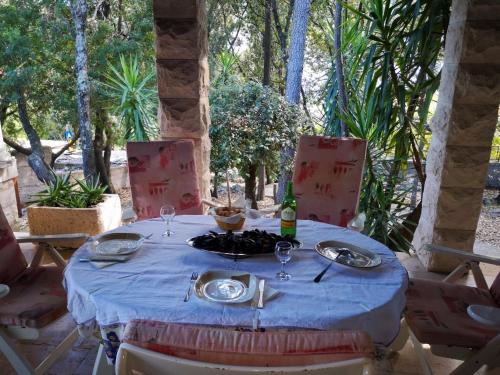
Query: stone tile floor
(80, 359)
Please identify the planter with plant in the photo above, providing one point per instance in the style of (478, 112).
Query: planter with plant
(67, 206)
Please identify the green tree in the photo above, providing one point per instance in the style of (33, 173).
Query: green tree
(250, 124)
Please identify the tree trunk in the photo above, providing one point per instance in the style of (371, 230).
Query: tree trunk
(283, 38)
(215, 192)
(250, 184)
(36, 158)
(102, 150)
(266, 45)
(79, 13)
(339, 68)
(261, 188)
(294, 80)
(266, 81)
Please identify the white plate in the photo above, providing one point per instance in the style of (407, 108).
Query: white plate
(358, 258)
(117, 243)
(226, 286)
(224, 290)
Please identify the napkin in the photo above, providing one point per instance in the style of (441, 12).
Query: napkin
(269, 294)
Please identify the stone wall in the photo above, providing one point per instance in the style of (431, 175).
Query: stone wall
(8, 180)
(462, 132)
(183, 80)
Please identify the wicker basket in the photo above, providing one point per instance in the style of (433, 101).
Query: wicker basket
(228, 226)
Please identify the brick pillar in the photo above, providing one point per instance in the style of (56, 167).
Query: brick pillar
(182, 69)
(462, 132)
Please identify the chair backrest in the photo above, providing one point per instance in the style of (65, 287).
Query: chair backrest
(132, 360)
(163, 172)
(205, 346)
(327, 178)
(12, 261)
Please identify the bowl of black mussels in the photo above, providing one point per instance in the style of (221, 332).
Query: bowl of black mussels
(240, 244)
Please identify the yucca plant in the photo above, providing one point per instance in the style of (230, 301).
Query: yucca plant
(390, 51)
(134, 102)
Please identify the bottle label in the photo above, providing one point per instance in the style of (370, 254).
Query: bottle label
(288, 214)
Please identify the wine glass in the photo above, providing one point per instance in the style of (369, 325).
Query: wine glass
(167, 213)
(283, 251)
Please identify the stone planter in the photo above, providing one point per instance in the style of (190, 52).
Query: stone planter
(55, 220)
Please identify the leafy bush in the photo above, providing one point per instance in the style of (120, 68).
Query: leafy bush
(250, 125)
(63, 193)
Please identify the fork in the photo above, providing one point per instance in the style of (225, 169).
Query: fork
(194, 276)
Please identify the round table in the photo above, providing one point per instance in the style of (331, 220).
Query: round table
(152, 284)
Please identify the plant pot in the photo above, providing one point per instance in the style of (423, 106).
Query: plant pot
(94, 220)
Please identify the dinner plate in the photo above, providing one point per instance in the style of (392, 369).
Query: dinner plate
(225, 286)
(357, 256)
(117, 243)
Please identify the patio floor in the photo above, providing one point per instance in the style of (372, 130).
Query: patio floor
(80, 359)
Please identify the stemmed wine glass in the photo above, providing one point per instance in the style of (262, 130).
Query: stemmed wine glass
(283, 251)
(167, 213)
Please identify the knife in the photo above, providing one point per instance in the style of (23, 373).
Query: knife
(260, 305)
(104, 258)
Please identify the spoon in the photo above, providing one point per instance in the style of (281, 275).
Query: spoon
(338, 252)
(318, 278)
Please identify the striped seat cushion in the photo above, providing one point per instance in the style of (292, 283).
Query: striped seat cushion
(232, 347)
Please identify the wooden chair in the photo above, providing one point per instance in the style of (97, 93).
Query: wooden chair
(31, 296)
(163, 172)
(457, 321)
(327, 178)
(168, 349)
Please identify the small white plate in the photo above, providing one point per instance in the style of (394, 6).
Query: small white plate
(117, 243)
(226, 286)
(224, 290)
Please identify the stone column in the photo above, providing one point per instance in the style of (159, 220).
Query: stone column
(8, 178)
(462, 132)
(182, 69)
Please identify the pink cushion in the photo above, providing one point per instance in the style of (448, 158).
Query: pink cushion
(163, 172)
(12, 261)
(437, 313)
(36, 298)
(495, 289)
(327, 178)
(232, 347)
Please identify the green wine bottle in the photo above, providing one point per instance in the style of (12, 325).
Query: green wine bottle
(289, 213)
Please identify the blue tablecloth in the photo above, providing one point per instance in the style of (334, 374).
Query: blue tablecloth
(152, 284)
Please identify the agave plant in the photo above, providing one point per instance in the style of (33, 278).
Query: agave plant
(134, 101)
(62, 192)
